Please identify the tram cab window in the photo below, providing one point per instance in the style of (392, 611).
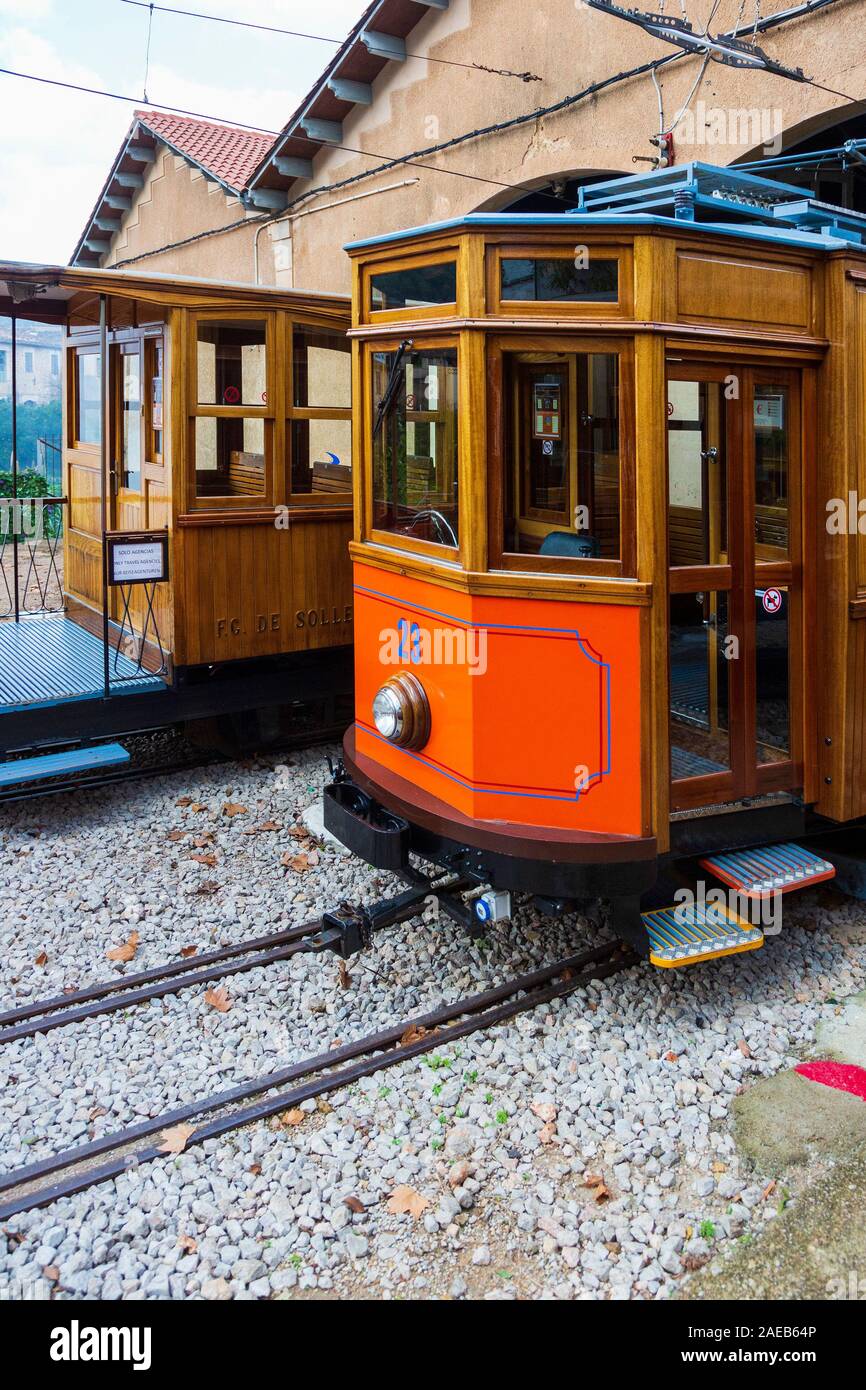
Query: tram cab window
(416, 287)
(232, 367)
(229, 456)
(562, 467)
(321, 368)
(554, 279)
(415, 444)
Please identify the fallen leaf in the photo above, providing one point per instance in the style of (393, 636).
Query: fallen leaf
(323, 1107)
(544, 1110)
(127, 950)
(354, 1204)
(188, 1243)
(187, 951)
(601, 1193)
(255, 1169)
(267, 826)
(175, 1140)
(202, 840)
(293, 1117)
(184, 801)
(406, 1201)
(744, 1047)
(299, 862)
(413, 1034)
(51, 1272)
(718, 1167)
(208, 859)
(671, 1056)
(593, 1180)
(207, 886)
(41, 959)
(234, 808)
(97, 1112)
(218, 999)
(547, 1133)
(199, 806)
(768, 1190)
(345, 977)
(176, 835)
(300, 832)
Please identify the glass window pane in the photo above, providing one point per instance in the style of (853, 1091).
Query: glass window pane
(229, 457)
(232, 367)
(700, 685)
(771, 676)
(697, 475)
(557, 278)
(130, 443)
(415, 445)
(562, 455)
(322, 456)
(322, 368)
(89, 398)
(772, 414)
(420, 287)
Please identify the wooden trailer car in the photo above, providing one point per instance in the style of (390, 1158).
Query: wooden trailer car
(609, 552)
(206, 505)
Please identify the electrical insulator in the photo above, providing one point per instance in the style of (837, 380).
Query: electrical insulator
(665, 143)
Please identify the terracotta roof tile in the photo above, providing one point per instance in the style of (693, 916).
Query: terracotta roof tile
(228, 153)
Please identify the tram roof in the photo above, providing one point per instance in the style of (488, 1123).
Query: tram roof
(696, 197)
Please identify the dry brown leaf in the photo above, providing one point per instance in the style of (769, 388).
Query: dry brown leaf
(300, 832)
(234, 808)
(299, 862)
(601, 1193)
(323, 1106)
(188, 1243)
(671, 1056)
(127, 950)
(96, 1112)
(208, 859)
(345, 977)
(51, 1272)
(184, 801)
(187, 951)
(175, 1140)
(593, 1180)
(354, 1204)
(293, 1117)
(547, 1132)
(218, 999)
(406, 1201)
(267, 826)
(201, 841)
(768, 1190)
(176, 835)
(41, 959)
(744, 1047)
(255, 1169)
(199, 806)
(207, 886)
(413, 1034)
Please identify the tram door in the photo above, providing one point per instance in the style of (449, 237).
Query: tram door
(735, 566)
(135, 437)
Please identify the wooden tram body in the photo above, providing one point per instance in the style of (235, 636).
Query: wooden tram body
(220, 420)
(610, 591)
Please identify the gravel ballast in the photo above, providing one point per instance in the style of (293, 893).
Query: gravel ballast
(580, 1151)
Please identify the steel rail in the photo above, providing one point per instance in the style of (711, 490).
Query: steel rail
(159, 972)
(158, 990)
(441, 1028)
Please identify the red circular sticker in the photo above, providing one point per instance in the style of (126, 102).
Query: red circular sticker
(265, 397)
(231, 395)
(772, 600)
(670, 407)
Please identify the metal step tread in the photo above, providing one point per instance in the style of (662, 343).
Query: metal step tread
(57, 764)
(759, 873)
(689, 933)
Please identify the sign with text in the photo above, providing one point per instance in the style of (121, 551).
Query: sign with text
(137, 557)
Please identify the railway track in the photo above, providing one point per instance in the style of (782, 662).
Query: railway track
(289, 1086)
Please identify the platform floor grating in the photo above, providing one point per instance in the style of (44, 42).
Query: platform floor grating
(45, 660)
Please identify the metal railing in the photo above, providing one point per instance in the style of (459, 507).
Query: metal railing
(31, 531)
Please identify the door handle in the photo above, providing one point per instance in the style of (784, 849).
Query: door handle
(710, 455)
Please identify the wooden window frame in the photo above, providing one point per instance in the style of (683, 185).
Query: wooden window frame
(500, 559)
(410, 261)
(621, 307)
(338, 501)
(267, 412)
(77, 350)
(393, 540)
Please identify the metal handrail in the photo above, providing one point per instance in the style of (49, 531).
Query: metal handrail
(36, 587)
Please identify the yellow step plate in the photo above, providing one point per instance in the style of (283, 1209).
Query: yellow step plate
(687, 934)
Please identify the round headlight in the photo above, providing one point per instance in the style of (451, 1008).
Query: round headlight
(401, 711)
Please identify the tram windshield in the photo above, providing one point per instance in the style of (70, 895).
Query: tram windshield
(562, 455)
(415, 444)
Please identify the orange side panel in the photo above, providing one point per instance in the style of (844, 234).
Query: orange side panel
(535, 705)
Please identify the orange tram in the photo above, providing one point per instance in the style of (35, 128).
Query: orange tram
(609, 555)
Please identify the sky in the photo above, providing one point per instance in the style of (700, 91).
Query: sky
(58, 146)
